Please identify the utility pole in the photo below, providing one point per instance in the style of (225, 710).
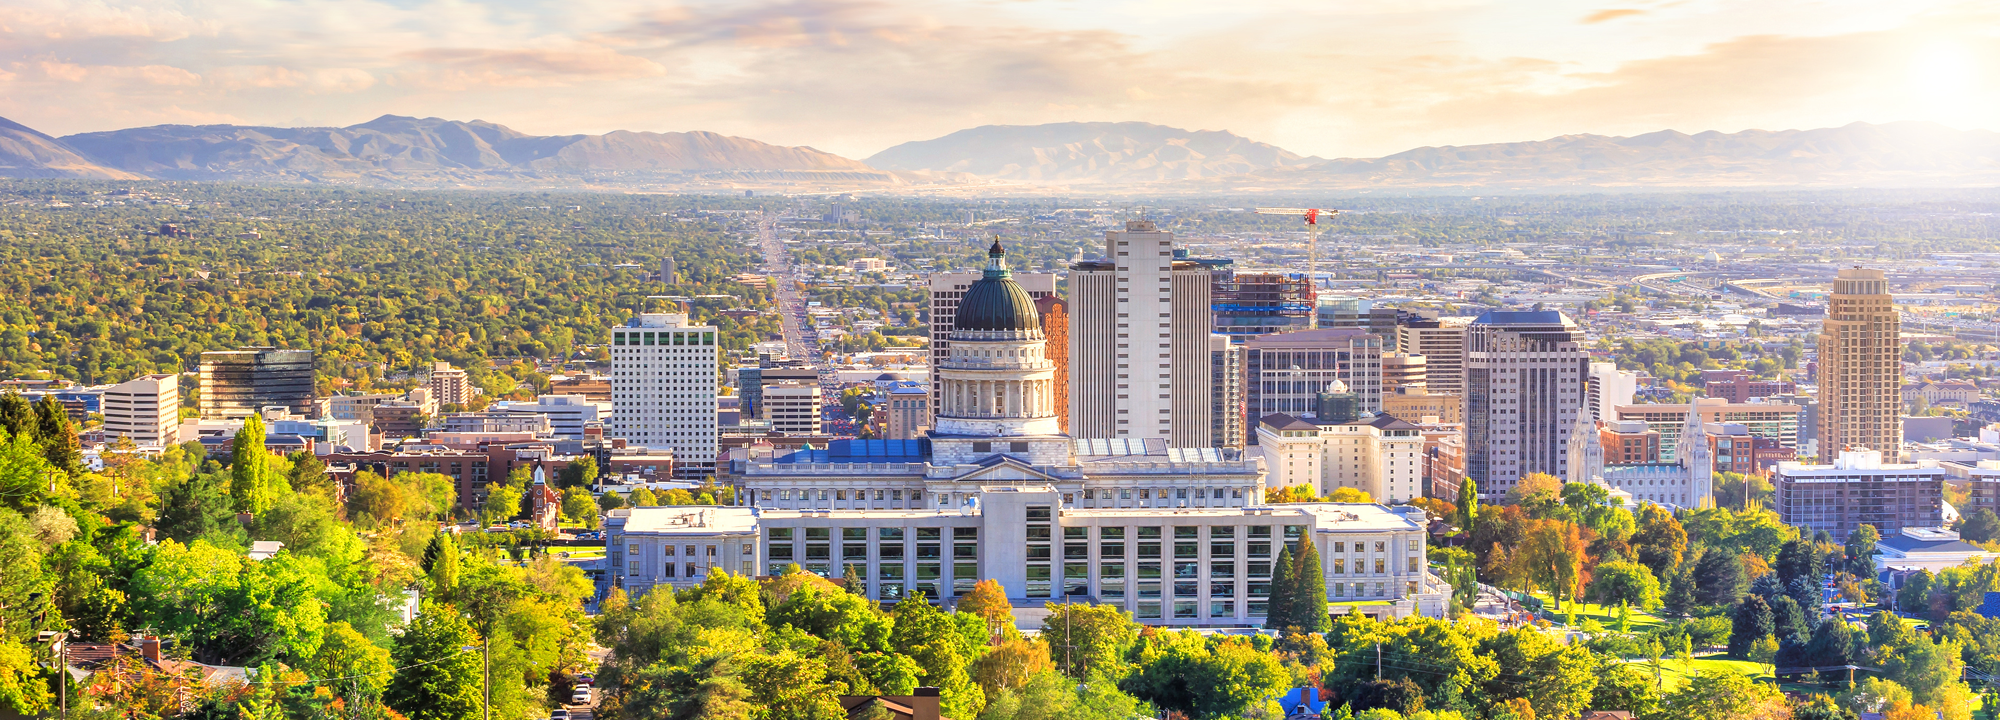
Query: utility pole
(1378, 660)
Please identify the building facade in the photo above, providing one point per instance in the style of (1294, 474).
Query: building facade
(1524, 381)
(1376, 454)
(1442, 343)
(909, 412)
(236, 384)
(1177, 568)
(1860, 368)
(1285, 373)
(1055, 328)
(1139, 340)
(1859, 488)
(1763, 419)
(1226, 392)
(145, 409)
(1686, 482)
(664, 384)
(449, 385)
(793, 408)
(1400, 370)
(1417, 402)
(1246, 305)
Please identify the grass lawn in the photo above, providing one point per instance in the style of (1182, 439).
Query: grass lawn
(1606, 615)
(1674, 674)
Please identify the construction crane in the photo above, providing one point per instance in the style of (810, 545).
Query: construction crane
(1312, 216)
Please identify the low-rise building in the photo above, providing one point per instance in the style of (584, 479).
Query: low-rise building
(1856, 489)
(1629, 442)
(1377, 454)
(1200, 567)
(1926, 548)
(145, 409)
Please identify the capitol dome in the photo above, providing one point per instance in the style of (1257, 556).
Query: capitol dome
(995, 303)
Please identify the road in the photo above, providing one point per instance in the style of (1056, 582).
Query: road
(800, 342)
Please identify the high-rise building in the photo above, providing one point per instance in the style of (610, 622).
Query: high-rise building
(669, 272)
(1285, 373)
(663, 386)
(146, 409)
(1225, 377)
(793, 408)
(1442, 343)
(449, 385)
(236, 384)
(1609, 388)
(750, 382)
(909, 409)
(1860, 368)
(1524, 383)
(1055, 329)
(947, 289)
(1251, 304)
(1401, 369)
(1139, 327)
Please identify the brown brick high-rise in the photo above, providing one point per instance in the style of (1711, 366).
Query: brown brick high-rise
(1055, 327)
(1860, 368)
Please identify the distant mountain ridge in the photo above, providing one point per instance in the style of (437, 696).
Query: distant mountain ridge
(1076, 152)
(1899, 153)
(28, 153)
(394, 148)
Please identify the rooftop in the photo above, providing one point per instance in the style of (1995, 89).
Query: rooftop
(690, 519)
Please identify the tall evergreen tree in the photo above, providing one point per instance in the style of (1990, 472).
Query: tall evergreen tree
(57, 436)
(247, 460)
(1468, 505)
(1752, 622)
(1308, 604)
(1280, 612)
(440, 565)
(16, 415)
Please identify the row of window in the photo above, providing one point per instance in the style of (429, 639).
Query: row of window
(663, 338)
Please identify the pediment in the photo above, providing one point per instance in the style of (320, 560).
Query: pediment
(1001, 469)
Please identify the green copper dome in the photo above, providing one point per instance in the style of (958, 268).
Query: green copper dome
(995, 302)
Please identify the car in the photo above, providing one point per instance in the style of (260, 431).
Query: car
(586, 679)
(561, 714)
(581, 696)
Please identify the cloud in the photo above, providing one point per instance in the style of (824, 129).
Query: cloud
(1610, 14)
(72, 73)
(56, 20)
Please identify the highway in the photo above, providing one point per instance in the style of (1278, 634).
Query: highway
(800, 342)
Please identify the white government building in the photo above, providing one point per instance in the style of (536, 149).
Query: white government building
(1176, 536)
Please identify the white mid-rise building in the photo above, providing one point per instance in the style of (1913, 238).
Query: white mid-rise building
(1610, 388)
(663, 388)
(792, 408)
(146, 409)
(1376, 454)
(450, 386)
(568, 414)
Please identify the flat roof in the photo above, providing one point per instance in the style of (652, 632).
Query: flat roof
(689, 519)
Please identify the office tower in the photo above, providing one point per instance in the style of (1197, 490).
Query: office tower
(1779, 422)
(236, 384)
(1860, 368)
(946, 291)
(146, 409)
(793, 408)
(1225, 377)
(750, 382)
(1609, 388)
(1055, 329)
(1858, 488)
(1442, 343)
(669, 273)
(1251, 304)
(449, 385)
(1332, 311)
(1285, 373)
(1524, 381)
(1140, 322)
(663, 386)
(1400, 369)
(909, 412)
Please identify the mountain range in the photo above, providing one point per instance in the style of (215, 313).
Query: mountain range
(396, 150)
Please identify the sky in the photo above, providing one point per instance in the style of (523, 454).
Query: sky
(1333, 78)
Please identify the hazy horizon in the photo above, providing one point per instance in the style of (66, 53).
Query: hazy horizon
(854, 77)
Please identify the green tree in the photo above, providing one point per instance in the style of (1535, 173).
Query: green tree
(439, 676)
(440, 565)
(1929, 669)
(503, 503)
(57, 437)
(1861, 550)
(642, 497)
(1308, 595)
(788, 687)
(610, 501)
(1468, 505)
(1624, 583)
(22, 689)
(195, 506)
(1724, 695)
(1915, 596)
(1560, 678)
(1278, 613)
(1660, 542)
(247, 462)
(1718, 578)
(835, 615)
(1183, 672)
(931, 638)
(1087, 640)
(1053, 696)
(362, 666)
(578, 473)
(1752, 622)
(232, 611)
(1983, 525)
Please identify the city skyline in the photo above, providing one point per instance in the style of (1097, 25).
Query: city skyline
(1349, 80)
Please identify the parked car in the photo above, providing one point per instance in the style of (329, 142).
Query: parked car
(498, 529)
(560, 714)
(581, 696)
(586, 679)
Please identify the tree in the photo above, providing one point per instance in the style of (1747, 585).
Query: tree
(610, 501)
(1660, 542)
(642, 497)
(1752, 623)
(1278, 610)
(789, 687)
(1010, 664)
(1087, 640)
(989, 601)
(1821, 707)
(1535, 491)
(931, 638)
(1308, 593)
(1983, 525)
(578, 473)
(196, 506)
(1556, 556)
(232, 611)
(1680, 598)
(1350, 495)
(439, 676)
(440, 565)
(57, 437)
(1052, 696)
(1718, 578)
(503, 503)
(363, 666)
(247, 462)
(1832, 644)
(1184, 672)
(1624, 583)
(1468, 505)
(579, 506)
(1725, 695)
(22, 689)
(1915, 597)
(1928, 669)
(1861, 550)
(1560, 679)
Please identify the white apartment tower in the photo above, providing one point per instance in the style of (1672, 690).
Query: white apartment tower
(1525, 377)
(1139, 345)
(449, 386)
(663, 387)
(146, 409)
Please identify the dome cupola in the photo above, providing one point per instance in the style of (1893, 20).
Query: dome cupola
(995, 303)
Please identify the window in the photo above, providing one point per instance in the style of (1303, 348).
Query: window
(885, 533)
(1111, 533)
